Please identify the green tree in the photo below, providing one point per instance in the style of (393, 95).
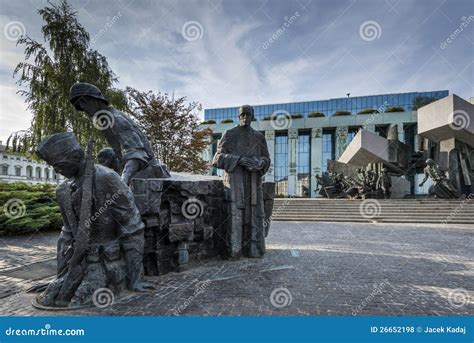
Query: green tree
(172, 127)
(50, 69)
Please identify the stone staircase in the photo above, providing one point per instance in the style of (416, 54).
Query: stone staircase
(434, 211)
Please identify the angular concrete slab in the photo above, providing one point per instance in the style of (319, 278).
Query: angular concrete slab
(366, 147)
(450, 117)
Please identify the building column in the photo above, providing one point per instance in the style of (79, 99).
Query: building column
(270, 138)
(341, 140)
(292, 161)
(316, 157)
(401, 133)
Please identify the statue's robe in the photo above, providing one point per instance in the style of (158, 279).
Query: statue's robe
(442, 186)
(116, 233)
(245, 227)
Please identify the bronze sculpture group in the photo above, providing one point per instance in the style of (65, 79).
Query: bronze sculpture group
(365, 184)
(110, 231)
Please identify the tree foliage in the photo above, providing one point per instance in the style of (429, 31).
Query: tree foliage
(50, 69)
(172, 127)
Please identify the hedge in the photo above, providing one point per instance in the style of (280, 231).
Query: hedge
(209, 121)
(342, 113)
(316, 115)
(368, 111)
(226, 121)
(36, 205)
(395, 109)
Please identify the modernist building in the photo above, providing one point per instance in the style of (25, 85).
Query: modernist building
(17, 168)
(303, 136)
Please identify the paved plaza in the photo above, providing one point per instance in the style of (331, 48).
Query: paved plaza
(309, 269)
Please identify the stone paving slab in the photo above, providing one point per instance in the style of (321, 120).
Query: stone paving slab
(311, 269)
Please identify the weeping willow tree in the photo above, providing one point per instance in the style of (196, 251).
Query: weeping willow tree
(50, 69)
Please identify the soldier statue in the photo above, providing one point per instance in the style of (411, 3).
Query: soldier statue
(384, 183)
(442, 186)
(243, 154)
(108, 158)
(128, 142)
(102, 238)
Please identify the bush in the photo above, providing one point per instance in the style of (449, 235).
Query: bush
(342, 113)
(395, 109)
(267, 118)
(296, 116)
(316, 115)
(37, 202)
(368, 111)
(226, 121)
(209, 121)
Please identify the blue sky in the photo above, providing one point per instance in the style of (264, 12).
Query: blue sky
(230, 52)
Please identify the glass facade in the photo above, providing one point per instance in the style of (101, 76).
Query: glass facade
(328, 107)
(304, 165)
(281, 165)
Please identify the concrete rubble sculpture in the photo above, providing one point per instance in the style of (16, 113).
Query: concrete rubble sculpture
(445, 139)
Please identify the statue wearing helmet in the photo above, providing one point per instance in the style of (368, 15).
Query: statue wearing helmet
(124, 136)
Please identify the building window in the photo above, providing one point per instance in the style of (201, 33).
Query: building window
(281, 165)
(17, 171)
(38, 172)
(29, 172)
(5, 157)
(5, 169)
(304, 165)
(46, 173)
(328, 149)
